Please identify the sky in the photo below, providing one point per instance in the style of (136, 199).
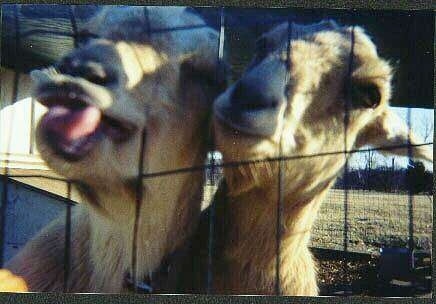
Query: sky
(422, 123)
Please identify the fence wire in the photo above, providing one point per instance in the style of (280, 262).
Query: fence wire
(280, 177)
(360, 219)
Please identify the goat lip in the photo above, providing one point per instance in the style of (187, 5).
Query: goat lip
(72, 127)
(258, 122)
(69, 94)
(72, 133)
(74, 150)
(72, 100)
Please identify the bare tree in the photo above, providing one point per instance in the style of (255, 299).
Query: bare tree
(428, 129)
(369, 158)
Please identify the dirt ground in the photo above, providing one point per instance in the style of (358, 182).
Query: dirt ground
(374, 219)
(342, 274)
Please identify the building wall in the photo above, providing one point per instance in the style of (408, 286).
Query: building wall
(28, 210)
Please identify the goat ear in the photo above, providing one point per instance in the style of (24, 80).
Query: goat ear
(391, 132)
(211, 71)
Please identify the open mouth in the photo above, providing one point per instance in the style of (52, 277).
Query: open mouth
(73, 126)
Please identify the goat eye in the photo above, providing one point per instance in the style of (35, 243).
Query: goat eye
(365, 95)
(84, 36)
(97, 78)
(65, 66)
(97, 74)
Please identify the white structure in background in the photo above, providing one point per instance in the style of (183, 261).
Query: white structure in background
(17, 123)
(31, 203)
(214, 171)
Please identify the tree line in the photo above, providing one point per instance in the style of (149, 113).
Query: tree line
(415, 178)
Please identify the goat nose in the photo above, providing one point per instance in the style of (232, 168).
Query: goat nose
(262, 88)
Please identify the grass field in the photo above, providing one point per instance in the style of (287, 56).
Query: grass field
(374, 219)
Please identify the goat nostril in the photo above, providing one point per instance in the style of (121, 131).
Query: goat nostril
(97, 78)
(90, 71)
(252, 98)
(252, 93)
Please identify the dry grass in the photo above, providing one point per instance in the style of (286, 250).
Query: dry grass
(374, 219)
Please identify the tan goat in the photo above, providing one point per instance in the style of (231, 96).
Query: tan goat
(292, 104)
(152, 71)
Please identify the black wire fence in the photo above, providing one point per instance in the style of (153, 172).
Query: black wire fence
(355, 217)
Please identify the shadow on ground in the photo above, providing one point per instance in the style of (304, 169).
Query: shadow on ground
(354, 274)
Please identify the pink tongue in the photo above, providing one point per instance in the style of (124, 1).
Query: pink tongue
(72, 124)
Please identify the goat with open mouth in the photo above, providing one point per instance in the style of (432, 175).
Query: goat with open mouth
(124, 93)
(83, 93)
(76, 120)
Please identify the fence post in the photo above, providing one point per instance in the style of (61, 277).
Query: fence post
(411, 243)
(347, 107)
(220, 56)
(393, 175)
